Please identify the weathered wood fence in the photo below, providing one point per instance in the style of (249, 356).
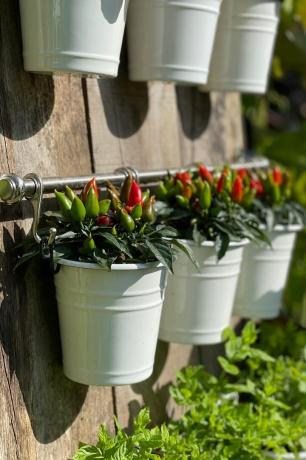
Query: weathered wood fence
(65, 125)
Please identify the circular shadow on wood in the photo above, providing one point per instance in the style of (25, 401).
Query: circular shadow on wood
(27, 100)
(194, 109)
(125, 103)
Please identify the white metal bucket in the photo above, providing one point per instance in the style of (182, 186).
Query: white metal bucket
(75, 36)
(301, 456)
(171, 40)
(198, 305)
(244, 46)
(263, 275)
(109, 321)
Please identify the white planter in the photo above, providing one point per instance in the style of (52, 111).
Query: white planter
(171, 40)
(301, 456)
(75, 36)
(109, 321)
(263, 275)
(244, 46)
(198, 305)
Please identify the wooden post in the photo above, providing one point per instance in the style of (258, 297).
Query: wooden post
(68, 126)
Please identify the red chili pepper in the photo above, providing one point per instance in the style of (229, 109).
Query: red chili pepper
(135, 195)
(104, 220)
(187, 193)
(277, 176)
(237, 191)
(205, 174)
(242, 172)
(91, 184)
(220, 184)
(184, 177)
(257, 185)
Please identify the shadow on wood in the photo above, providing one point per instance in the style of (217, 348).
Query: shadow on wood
(31, 342)
(194, 109)
(125, 103)
(154, 392)
(27, 100)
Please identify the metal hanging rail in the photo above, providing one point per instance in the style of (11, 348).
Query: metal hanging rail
(14, 188)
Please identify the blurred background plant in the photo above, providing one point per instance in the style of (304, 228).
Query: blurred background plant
(276, 126)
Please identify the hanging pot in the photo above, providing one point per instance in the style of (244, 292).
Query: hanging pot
(171, 40)
(109, 320)
(244, 46)
(74, 36)
(198, 305)
(263, 275)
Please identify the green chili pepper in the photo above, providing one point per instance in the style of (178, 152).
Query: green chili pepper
(88, 246)
(127, 221)
(70, 193)
(169, 183)
(64, 203)
(205, 196)
(199, 185)
(114, 231)
(182, 201)
(148, 211)
(92, 204)
(228, 182)
(248, 198)
(145, 195)
(104, 206)
(78, 211)
(161, 192)
(136, 212)
(179, 187)
(115, 200)
(276, 194)
(126, 188)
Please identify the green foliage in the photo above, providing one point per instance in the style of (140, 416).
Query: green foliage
(270, 414)
(281, 337)
(256, 405)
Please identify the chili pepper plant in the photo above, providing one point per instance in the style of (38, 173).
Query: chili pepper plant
(119, 227)
(208, 207)
(271, 197)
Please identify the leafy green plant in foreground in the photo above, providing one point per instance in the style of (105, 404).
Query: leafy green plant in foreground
(256, 405)
(270, 415)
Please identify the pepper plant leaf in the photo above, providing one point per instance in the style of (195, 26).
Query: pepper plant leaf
(185, 248)
(114, 241)
(162, 252)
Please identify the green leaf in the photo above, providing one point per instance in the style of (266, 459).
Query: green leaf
(222, 245)
(185, 248)
(249, 333)
(227, 366)
(119, 244)
(88, 452)
(26, 257)
(162, 252)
